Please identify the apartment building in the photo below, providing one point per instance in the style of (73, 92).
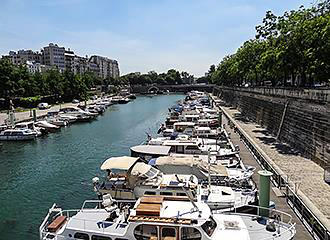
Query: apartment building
(53, 55)
(22, 56)
(107, 67)
(69, 58)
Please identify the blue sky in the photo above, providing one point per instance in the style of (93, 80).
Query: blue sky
(142, 35)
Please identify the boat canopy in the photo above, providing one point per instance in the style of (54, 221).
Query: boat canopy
(119, 163)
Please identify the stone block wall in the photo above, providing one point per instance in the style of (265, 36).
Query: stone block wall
(306, 123)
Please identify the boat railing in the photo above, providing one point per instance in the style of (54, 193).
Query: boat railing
(279, 218)
(55, 212)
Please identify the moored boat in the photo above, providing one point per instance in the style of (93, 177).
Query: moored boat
(18, 135)
(162, 218)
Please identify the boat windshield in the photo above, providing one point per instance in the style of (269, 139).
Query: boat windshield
(209, 226)
(151, 173)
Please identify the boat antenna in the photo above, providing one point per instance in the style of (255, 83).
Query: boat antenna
(188, 193)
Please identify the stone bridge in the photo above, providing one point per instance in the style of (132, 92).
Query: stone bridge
(172, 88)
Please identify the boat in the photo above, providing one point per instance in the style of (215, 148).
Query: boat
(18, 135)
(50, 127)
(162, 218)
(77, 112)
(31, 125)
(124, 100)
(57, 121)
(68, 118)
(137, 179)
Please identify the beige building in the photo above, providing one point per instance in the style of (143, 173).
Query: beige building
(107, 67)
(22, 56)
(53, 55)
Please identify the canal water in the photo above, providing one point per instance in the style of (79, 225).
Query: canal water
(59, 167)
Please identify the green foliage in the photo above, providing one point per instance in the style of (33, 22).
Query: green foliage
(292, 49)
(16, 81)
(172, 77)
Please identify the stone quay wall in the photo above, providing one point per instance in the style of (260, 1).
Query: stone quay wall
(300, 118)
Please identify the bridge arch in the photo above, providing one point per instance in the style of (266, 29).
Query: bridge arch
(154, 89)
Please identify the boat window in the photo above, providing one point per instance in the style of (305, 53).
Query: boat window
(179, 149)
(181, 194)
(149, 193)
(96, 237)
(190, 233)
(83, 236)
(168, 233)
(192, 148)
(7, 133)
(151, 173)
(145, 232)
(166, 193)
(209, 226)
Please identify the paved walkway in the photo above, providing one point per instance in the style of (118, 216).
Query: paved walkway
(248, 159)
(307, 175)
(20, 116)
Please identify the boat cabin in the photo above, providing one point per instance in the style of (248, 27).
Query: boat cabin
(184, 127)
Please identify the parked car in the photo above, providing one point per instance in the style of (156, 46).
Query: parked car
(75, 101)
(43, 105)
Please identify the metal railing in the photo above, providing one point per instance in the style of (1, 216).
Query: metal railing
(316, 228)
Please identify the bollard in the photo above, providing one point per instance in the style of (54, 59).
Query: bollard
(34, 115)
(264, 191)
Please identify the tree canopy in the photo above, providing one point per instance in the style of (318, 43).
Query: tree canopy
(292, 49)
(16, 81)
(171, 77)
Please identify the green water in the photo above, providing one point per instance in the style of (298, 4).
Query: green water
(59, 167)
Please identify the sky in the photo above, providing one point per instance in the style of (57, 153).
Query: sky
(143, 35)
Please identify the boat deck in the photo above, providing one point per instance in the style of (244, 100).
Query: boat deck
(94, 221)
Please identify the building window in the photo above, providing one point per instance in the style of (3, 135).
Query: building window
(190, 233)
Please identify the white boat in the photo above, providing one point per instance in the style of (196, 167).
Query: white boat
(18, 135)
(137, 179)
(57, 121)
(162, 218)
(30, 125)
(77, 112)
(68, 118)
(50, 127)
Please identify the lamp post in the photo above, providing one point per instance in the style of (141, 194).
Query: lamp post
(60, 99)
